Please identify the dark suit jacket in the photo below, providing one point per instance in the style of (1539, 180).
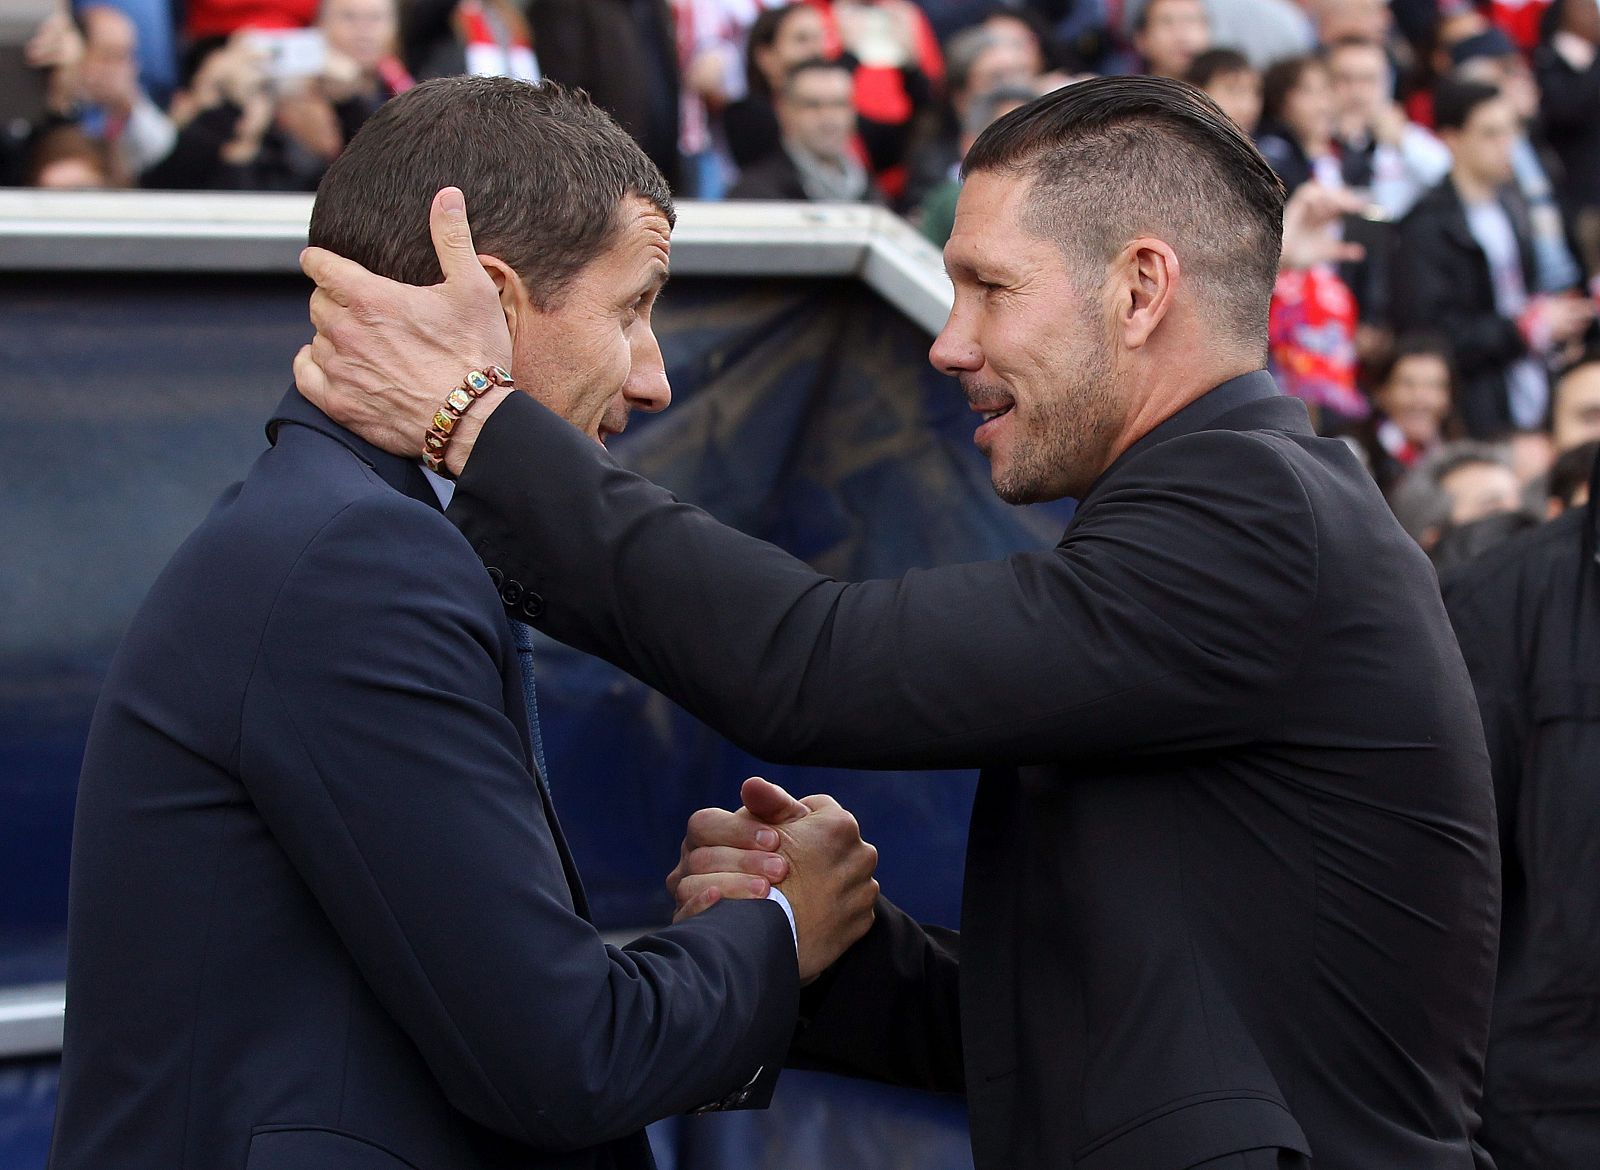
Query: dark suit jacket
(322, 915)
(1528, 613)
(1231, 880)
(776, 177)
(1442, 283)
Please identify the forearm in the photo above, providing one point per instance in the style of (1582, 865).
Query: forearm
(889, 1009)
(1038, 657)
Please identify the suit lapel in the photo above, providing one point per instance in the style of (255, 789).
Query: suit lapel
(406, 477)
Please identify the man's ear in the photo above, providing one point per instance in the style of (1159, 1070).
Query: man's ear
(514, 300)
(1145, 283)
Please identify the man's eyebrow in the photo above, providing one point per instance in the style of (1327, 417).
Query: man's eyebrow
(659, 275)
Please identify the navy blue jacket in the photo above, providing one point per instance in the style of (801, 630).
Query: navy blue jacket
(322, 915)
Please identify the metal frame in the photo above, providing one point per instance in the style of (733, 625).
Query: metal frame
(132, 231)
(31, 1020)
(137, 231)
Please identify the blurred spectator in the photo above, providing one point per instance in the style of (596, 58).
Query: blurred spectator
(207, 19)
(230, 137)
(64, 158)
(1413, 403)
(711, 36)
(978, 61)
(1169, 34)
(1531, 454)
(1380, 149)
(95, 83)
(362, 69)
(1024, 31)
(1462, 544)
(815, 161)
(1297, 123)
(1314, 315)
(1455, 485)
(898, 67)
(780, 39)
(936, 216)
(1528, 619)
(1575, 404)
(486, 38)
(157, 44)
(1492, 59)
(1569, 478)
(623, 52)
(1464, 265)
(1229, 79)
(1265, 31)
(1351, 20)
(1568, 70)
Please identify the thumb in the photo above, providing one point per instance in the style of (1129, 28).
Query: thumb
(452, 237)
(767, 802)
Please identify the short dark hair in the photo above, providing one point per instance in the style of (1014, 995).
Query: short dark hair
(543, 169)
(1572, 470)
(67, 142)
(813, 65)
(1417, 344)
(1281, 79)
(1454, 101)
(1215, 63)
(1112, 158)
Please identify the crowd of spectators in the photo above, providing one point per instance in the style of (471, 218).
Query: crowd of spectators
(1459, 308)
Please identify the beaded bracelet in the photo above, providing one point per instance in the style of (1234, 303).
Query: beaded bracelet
(474, 386)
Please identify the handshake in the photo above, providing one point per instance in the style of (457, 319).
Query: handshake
(810, 850)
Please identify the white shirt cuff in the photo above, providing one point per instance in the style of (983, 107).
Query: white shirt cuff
(776, 895)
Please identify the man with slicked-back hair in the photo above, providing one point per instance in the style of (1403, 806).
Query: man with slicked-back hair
(1232, 885)
(322, 914)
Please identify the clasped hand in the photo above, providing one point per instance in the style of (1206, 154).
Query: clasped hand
(810, 849)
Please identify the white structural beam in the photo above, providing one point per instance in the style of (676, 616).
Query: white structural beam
(149, 231)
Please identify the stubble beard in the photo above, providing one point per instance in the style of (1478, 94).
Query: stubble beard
(1063, 446)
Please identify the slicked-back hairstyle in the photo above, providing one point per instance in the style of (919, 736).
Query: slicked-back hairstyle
(543, 169)
(1115, 158)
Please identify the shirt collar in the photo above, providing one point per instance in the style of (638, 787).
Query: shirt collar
(1210, 408)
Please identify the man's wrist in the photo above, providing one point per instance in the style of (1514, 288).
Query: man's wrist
(467, 429)
(774, 894)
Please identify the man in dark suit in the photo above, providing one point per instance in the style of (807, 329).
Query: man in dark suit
(322, 913)
(1231, 890)
(1464, 265)
(815, 159)
(1528, 614)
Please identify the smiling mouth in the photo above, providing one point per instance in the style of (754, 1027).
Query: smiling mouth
(991, 415)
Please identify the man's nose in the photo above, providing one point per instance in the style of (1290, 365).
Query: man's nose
(954, 351)
(647, 388)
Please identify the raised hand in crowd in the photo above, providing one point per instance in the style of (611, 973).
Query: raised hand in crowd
(57, 46)
(810, 849)
(1310, 226)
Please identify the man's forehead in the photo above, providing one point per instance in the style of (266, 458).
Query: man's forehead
(646, 232)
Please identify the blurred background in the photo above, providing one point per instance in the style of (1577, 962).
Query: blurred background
(145, 336)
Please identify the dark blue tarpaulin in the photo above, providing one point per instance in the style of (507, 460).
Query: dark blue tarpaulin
(805, 413)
